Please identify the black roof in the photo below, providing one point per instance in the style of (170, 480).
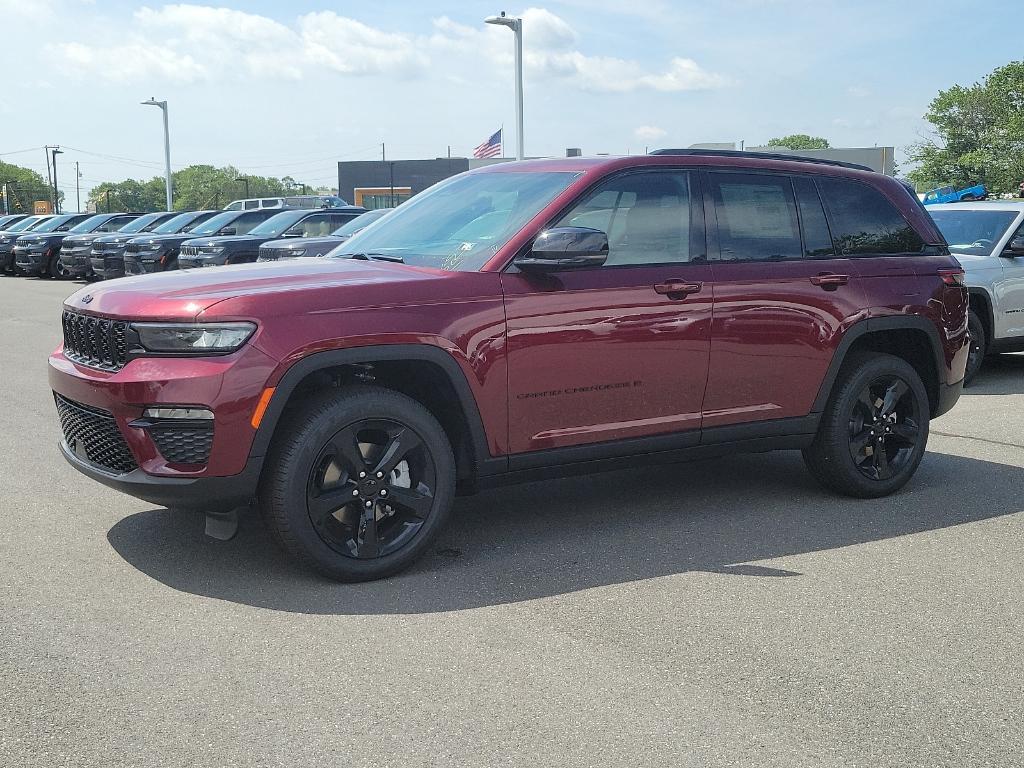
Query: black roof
(760, 156)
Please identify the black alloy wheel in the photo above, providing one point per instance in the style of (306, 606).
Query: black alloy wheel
(56, 268)
(358, 482)
(371, 488)
(874, 430)
(885, 427)
(978, 348)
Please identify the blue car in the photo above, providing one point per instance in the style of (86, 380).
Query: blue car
(952, 195)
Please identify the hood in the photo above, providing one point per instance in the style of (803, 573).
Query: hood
(223, 240)
(297, 243)
(45, 237)
(82, 239)
(261, 290)
(158, 239)
(114, 237)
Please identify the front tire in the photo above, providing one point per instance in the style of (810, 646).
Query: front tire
(979, 346)
(55, 268)
(359, 483)
(874, 430)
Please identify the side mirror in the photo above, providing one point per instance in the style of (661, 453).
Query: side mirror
(227, 231)
(565, 248)
(1015, 247)
(292, 233)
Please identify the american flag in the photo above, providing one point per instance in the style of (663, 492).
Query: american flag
(491, 147)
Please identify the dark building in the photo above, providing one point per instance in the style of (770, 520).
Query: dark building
(386, 183)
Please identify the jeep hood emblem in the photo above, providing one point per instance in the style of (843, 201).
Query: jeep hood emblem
(87, 299)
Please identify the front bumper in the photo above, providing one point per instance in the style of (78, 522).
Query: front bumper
(227, 479)
(192, 262)
(6, 258)
(133, 265)
(76, 261)
(108, 265)
(31, 262)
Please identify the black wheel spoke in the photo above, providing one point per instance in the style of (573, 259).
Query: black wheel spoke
(906, 432)
(324, 503)
(366, 543)
(868, 402)
(860, 441)
(417, 501)
(346, 445)
(880, 460)
(402, 442)
(893, 394)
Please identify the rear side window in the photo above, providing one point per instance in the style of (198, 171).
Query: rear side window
(756, 217)
(817, 240)
(864, 221)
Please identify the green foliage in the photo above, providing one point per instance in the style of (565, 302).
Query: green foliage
(800, 141)
(25, 187)
(196, 187)
(979, 135)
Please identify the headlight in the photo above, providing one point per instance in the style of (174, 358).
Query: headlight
(193, 338)
(5, 240)
(211, 250)
(291, 253)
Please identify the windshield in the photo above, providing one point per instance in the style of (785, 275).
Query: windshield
(25, 224)
(89, 224)
(973, 232)
(275, 225)
(140, 224)
(52, 224)
(459, 223)
(212, 225)
(177, 224)
(360, 222)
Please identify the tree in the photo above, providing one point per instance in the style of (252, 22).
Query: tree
(24, 187)
(195, 187)
(799, 141)
(978, 135)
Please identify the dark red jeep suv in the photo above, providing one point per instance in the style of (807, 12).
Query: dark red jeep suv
(519, 321)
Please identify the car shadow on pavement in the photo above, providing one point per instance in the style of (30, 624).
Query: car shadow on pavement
(560, 536)
(1000, 375)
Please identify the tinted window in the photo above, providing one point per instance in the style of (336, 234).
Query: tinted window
(87, 224)
(756, 217)
(817, 240)
(115, 223)
(355, 222)
(25, 224)
(647, 217)
(143, 223)
(974, 232)
(319, 225)
(864, 221)
(249, 204)
(247, 221)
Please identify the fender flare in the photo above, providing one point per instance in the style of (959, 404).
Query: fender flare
(874, 325)
(319, 361)
(990, 312)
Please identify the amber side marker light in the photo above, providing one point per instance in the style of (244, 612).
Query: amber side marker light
(261, 407)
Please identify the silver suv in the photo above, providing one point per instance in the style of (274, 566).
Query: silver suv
(987, 238)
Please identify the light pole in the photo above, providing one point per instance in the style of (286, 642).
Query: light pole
(56, 195)
(516, 25)
(167, 146)
(244, 180)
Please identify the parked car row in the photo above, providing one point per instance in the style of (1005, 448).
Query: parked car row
(108, 245)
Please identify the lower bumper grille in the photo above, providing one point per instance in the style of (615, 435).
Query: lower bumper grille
(181, 444)
(93, 432)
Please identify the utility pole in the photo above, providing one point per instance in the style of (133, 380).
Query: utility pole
(78, 188)
(383, 154)
(108, 200)
(7, 207)
(244, 180)
(56, 195)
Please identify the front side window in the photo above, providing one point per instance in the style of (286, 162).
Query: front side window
(459, 224)
(864, 221)
(115, 223)
(245, 223)
(973, 232)
(756, 217)
(141, 223)
(89, 224)
(647, 217)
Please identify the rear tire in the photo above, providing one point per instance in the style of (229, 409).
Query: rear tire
(874, 430)
(979, 346)
(359, 483)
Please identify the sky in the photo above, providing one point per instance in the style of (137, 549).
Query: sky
(290, 88)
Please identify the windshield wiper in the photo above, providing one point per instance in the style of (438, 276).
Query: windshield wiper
(376, 257)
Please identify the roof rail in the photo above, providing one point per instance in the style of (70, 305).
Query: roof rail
(760, 156)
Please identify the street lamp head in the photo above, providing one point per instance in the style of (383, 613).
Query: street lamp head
(503, 21)
(151, 102)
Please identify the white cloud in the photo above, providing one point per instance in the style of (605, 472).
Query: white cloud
(650, 133)
(184, 43)
(550, 53)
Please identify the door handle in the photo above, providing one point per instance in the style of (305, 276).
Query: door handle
(677, 289)
(829, 281)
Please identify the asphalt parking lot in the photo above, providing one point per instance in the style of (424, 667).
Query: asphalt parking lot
(713, 614)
